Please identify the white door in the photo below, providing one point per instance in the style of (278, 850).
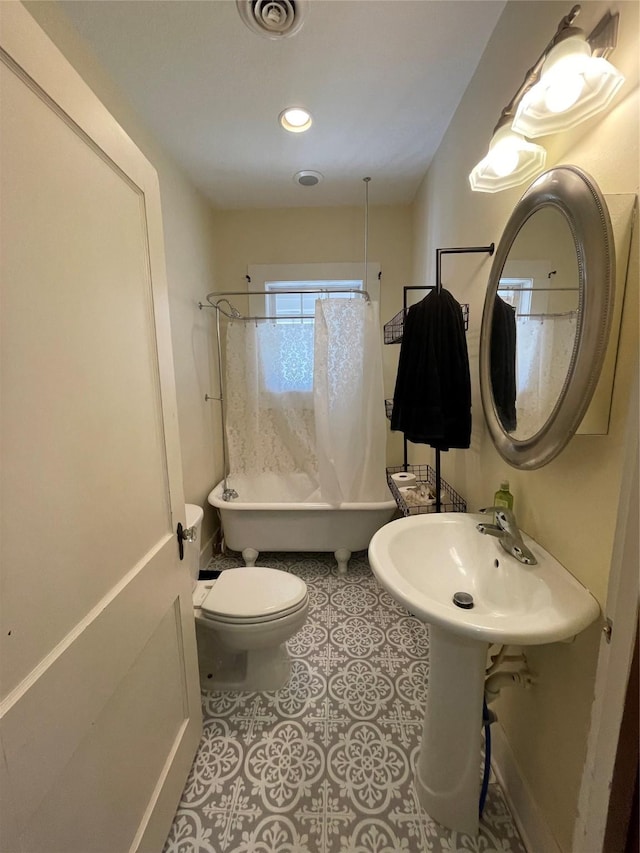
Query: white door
(100, 709)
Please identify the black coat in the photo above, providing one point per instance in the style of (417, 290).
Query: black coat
(432, 398)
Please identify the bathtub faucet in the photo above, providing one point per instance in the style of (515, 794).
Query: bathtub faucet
(508, 534)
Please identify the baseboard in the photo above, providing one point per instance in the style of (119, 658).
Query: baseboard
(534, 831)
(206, 553)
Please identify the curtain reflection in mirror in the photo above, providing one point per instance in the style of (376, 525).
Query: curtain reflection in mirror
(545, 346)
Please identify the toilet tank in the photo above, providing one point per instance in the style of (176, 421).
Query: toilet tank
(194, 515)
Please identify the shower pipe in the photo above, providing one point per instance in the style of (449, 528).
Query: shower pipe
(366, 230)
(457, 250)
(232, 313)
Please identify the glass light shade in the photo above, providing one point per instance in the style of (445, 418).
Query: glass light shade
(510, 161)
(573, 86)
(295, 119)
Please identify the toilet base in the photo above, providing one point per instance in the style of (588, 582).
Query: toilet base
(226, 669)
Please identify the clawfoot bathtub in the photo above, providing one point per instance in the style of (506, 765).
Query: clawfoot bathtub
(255, 522)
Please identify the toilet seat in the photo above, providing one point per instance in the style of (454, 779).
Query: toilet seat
(254, 594)
(256, 620)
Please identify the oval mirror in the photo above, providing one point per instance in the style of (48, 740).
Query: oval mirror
(546, 317)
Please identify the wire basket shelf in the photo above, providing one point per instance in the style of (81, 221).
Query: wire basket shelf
(412, 502)
(394, 329)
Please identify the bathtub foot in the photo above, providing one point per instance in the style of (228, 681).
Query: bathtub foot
(250, 555)
(342, 555)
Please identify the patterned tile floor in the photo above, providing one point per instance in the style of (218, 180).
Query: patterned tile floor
(324, 765)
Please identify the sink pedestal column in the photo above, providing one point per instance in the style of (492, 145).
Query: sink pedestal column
(448, 770)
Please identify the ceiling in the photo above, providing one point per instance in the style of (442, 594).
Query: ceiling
(382, 79)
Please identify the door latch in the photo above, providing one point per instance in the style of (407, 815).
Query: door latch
(185, 534)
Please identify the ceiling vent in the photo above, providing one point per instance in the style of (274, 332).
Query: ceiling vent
(273, 19)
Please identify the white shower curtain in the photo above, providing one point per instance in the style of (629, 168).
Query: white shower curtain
(349, 401)
(305, 407)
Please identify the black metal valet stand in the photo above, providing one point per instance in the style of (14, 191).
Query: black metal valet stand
(463, 250)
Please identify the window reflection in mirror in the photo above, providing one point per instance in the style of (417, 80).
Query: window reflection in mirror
(534, 323)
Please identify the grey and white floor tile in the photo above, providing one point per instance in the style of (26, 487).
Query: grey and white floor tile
(325, 765)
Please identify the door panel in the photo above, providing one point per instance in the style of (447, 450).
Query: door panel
(106, 803)
(99, 687)
(82, 387)
(49, 718)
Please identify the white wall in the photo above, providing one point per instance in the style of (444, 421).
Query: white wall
(570, 505)
(189, 243)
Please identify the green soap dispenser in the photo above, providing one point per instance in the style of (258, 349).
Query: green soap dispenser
(503, 496)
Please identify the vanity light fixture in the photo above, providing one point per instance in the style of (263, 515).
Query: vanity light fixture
(570, 82)
(574, 85)
(510, 161)
(295, 119)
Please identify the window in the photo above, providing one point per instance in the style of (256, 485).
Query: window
(517, 292)
(287, 360)
(277, 279)
(525, 285)
(282, 303)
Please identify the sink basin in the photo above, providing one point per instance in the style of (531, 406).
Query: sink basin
(424, 560)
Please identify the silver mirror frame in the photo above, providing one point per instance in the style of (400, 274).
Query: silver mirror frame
(578, 198)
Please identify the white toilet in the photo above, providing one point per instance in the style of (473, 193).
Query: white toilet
(243, 620)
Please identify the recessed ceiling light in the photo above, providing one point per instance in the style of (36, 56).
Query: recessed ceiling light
(295, 119)
(307, 178)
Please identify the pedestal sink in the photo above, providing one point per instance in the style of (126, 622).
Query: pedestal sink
(424, 561)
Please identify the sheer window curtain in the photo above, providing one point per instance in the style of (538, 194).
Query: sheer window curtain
(269, 418)
(305, 406)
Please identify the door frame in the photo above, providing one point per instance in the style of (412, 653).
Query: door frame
(616, 650)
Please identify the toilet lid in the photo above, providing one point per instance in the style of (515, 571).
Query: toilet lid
(254, 592)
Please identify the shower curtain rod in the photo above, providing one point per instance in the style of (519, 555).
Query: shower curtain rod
(573, 313)
(234, 314)
(538, 289)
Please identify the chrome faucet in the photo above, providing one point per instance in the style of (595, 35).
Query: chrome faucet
(508, 534)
